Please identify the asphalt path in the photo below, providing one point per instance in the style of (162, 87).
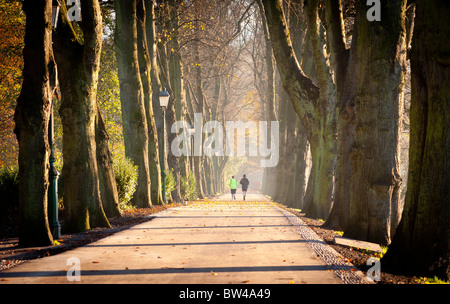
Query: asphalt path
(205, 242)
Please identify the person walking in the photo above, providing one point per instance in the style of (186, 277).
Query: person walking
(244, 182)
(233, 186)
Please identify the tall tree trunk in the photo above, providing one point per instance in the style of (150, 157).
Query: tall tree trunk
(108, 186)
(371, 136)
(279, 173)
(32, 121)
(78, 73)
(287, 163)
(269, 173)
(421, 243)
(176, 75)
(172, 160)
(150, 28)
(198, 160)
(300, 165)
(145, 69)
(345, 111)
(323, 137)
(313, 107)
(135, 127)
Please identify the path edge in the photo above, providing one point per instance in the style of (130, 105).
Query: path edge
(340, 267)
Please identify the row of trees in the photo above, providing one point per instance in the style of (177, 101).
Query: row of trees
(350, 102)
(338, 95)
(149, 40)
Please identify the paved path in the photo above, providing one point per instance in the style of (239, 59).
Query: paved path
(213, 242)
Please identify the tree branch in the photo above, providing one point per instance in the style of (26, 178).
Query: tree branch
(303, 92)
(336, 37)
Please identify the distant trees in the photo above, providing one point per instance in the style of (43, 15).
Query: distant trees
(200, 48)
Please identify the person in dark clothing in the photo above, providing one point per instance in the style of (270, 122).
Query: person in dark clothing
(244, 182)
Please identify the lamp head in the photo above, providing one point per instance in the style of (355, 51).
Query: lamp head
(164, 99)
(55, 13)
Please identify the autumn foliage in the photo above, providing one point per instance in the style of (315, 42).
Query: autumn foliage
(12, 27)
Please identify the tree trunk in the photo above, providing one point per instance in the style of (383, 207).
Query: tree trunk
(172, 160)
(176, 75)
(317, 201)
(269, 173)
(421, 243)
(279, 172)
(312, 105)
(32, 121)
(78, 74)
(300, 166)
(198, 160)
(108, 186)
(156, 88)
(145, 69)
(135, 127)
(371, 136)
(287, 162)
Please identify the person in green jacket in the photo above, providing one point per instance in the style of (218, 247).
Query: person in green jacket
(233, 186)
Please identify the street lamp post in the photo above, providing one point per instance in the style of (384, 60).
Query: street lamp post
(191, 133)
(53, 174)
(53, 187)
(163, 102)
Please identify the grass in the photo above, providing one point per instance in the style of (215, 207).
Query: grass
(374, 254)
(340, 233)
(435, 280)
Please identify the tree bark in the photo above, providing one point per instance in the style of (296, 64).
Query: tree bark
(198, 160)
(313, 107)
(300, 166)
(421, 243)
(172, 160)
(176, 74)
(78, 74)
(269, 173)
(279, 172)
(145, 63)
(135, 127)
(370, 107)
(150, 28)
(108, 186)
(32, 120)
